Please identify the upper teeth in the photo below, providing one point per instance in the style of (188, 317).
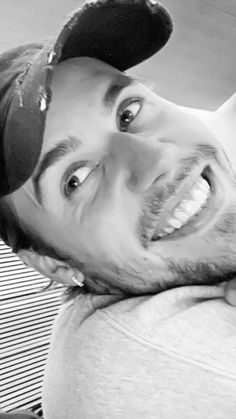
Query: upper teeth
(188, 207)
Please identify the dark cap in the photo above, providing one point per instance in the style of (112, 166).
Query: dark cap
(122, 33)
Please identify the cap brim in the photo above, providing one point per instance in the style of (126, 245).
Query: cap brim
(122, 33)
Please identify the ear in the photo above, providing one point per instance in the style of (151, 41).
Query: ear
(51, 268)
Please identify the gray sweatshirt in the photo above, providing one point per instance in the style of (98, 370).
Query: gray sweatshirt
(168, 356)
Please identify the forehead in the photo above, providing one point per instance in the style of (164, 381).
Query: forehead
(78, 88)
(82, 75)
(77, 83)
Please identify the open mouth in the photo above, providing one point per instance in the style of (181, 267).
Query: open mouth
(190, 212)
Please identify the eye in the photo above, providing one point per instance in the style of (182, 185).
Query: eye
(128, 112)
(76, 179)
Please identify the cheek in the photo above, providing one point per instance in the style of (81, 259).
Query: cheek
(182, 129)
(57, 232)
(109, 234)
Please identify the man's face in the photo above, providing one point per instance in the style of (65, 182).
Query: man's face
(129, 185)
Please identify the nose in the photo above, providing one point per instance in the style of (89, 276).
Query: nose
(142, 161)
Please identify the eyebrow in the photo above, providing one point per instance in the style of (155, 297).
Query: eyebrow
(115, 88)
(71, 144)
(62, 149)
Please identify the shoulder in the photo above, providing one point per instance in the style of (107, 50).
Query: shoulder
(169, 349)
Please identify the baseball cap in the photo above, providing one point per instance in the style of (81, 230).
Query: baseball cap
(122, 33)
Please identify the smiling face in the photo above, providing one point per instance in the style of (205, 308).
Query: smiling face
(130, 185)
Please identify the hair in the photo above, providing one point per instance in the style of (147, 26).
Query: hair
(15, 236)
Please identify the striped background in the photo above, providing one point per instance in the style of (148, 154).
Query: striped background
(26, 316)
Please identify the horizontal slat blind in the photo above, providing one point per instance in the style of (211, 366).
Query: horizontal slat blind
(26, 316)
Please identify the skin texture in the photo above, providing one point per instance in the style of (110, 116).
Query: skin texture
(132, 177)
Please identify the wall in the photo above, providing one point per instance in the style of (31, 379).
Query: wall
(196, 68)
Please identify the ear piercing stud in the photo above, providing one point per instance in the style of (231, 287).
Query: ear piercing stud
(77, 282)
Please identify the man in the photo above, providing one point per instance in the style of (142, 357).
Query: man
(102, 179)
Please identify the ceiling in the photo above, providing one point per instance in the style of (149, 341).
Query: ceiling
(196, 68)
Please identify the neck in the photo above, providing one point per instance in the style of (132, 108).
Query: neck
(96, 285)
(93, 286)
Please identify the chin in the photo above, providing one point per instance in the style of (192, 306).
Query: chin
(197, 257)
(205, 257)
(195, 261)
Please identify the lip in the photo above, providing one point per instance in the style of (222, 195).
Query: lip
(206, 216)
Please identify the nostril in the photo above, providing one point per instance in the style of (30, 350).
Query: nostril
(166, 140)
(141, 180)
(159, 178)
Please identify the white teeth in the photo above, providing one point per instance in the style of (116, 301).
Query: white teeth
(199, 196)
(168, 230)
(175, 223)
(181, 215)
(203, 184)
(187, 208)
(190, 207)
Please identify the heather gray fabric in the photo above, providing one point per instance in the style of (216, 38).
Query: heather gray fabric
(169, 356)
